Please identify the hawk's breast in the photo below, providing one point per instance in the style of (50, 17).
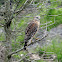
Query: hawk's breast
(32, 29)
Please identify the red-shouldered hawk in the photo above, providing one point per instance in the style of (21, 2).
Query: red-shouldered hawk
(31, 29)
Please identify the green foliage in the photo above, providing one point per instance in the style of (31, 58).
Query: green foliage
(53, 8)
(20, 3)
(2, 37)
(18, 55)
(21, 24)
(56, 47)
(41, 51)
(1, 2)
(40, 61)
(20, 38)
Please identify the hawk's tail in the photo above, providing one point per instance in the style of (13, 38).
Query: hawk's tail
(25, 45)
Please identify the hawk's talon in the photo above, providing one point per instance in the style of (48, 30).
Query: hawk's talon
(31, 41)
(36, 38)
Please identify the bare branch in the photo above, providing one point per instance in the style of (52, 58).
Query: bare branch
(17, 4)
(46, 23)
(23, 7)
(38, 39)
(22, 58)
(18, 11)
(9, 56)
(1, 25)
(2, 12)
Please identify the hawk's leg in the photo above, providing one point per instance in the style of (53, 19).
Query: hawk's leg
(31, 41)
(35, 38)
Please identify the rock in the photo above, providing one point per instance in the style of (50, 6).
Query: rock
(60, 26)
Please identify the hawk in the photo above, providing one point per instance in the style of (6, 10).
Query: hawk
(31, 30)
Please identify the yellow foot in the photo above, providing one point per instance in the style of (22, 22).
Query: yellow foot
(31, 41)
(36, 38)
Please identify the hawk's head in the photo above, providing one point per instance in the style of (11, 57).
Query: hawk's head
(37, 18)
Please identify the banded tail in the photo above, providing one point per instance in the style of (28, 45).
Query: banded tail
(25, 45)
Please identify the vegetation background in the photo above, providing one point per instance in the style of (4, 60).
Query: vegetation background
(14, 18)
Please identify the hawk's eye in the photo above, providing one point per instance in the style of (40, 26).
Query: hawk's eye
(37, 17)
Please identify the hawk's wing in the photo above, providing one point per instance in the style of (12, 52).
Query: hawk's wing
(31, 30)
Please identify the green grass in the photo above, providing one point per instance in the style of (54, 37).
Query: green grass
(2, 37)
(56, 47)
(40, 61)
